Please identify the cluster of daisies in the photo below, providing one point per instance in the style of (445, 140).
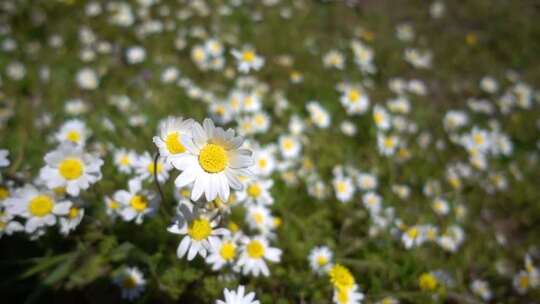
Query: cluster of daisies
(55, 196)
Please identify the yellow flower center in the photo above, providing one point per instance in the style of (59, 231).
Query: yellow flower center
(255, 249)
(173, 143)
(73, 136)
(248, 56)
(41, 205)
(213, 158)
(71, 168)
(199, 229)
(263, 163)
(378, 117)
(233, 227)
(341, 187)
(139, 203)
(124, 160)
(114, 205)
(258, 218)
(322, 260)
(354, 95)
(389, 142)
(227, 251)
(2, 225)
(478, 139)
(153, 169)
(129, 282)
(73, 212)
(412, 232)
(254, 190)
(341, 277)
(288, 144)
(4, 193)
(427, 281)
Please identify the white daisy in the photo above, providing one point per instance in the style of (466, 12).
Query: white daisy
(222, 253)
(131, 281)
(265, 161)
(73, 131)
(213, 163)
(39, 208)
(289, 146)
(320, 259)
(255, 252)
(125, 160)
(8, 226)
(171, 132)
(135, 202)
(355, 100)
(257, 192)
(381, 117)
(238, 297)
(112, 207)
(146, 168)
(70, 167)
(247, 60)
(200, 234)
(71, 220)
(344, 188)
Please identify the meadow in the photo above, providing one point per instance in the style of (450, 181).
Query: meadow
(272, 151)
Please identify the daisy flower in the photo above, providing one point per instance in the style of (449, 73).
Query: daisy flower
(131, 282)
(381, 117)
(68, 166)
(39, 208)
(238, 297)
(320, 259)
(135, 202)
(387, 144)
(222, 253)
(4, 161)
(344, 188)
(372, 202)
(73, 131)
(355, 100)
(257, 192)
(348, 295)
(319, 116)
(481, 289)
(112, 207)
(146, 169)
(265, 161)
(7, 225)
(413, 236)
(213, 163)
(260, 218)
(334, 59)
(200, 233)
(125, 160)
(71, 220)
(255, 252)
(171, 132)
(289, 146)
(247, 60)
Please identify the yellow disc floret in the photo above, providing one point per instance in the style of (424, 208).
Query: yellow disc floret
(174, 146)
(41, 205)
(227, 251)
(254, 190)
(248, 56)
(73, 136)
(255, 249)
(71, 168)
(199, 229)
(139, 203)
(213, 158)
